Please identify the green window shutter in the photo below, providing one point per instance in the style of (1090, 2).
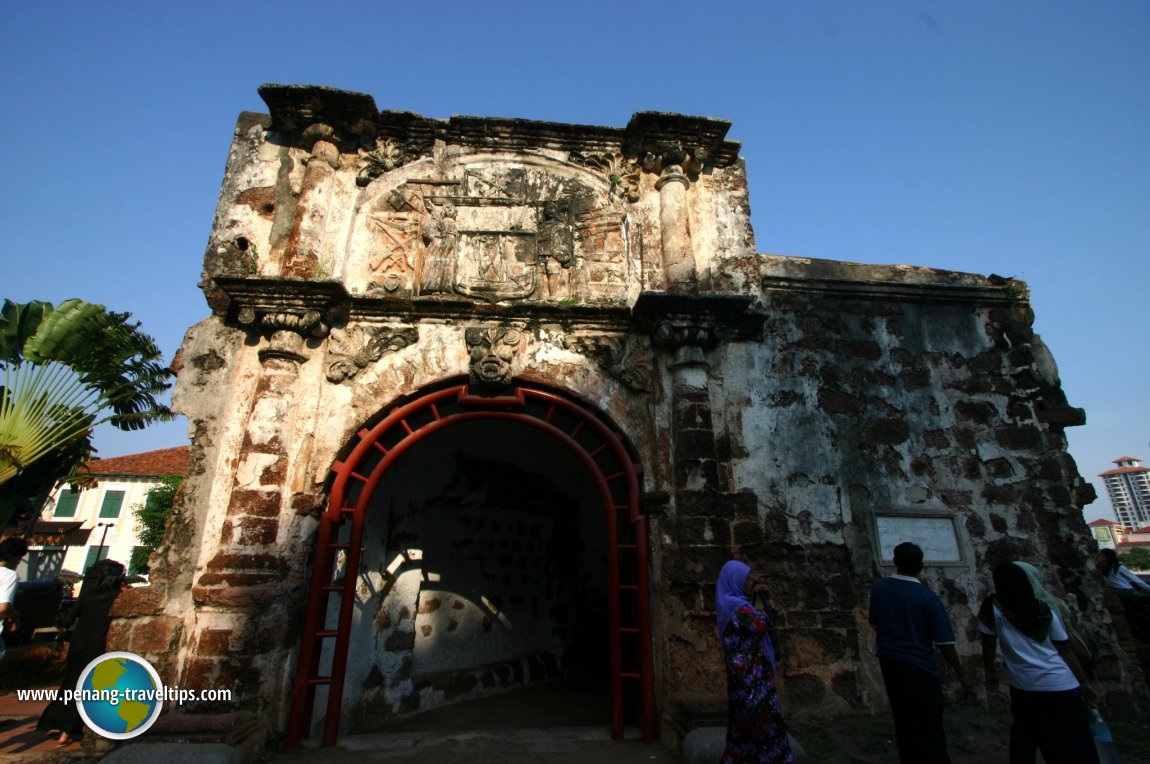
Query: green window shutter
(94, 553)
(113, 500)
(66, 503)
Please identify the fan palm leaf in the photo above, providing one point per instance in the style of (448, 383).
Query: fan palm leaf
(67, 369)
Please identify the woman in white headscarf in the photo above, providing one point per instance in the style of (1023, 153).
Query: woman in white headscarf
(756, 731)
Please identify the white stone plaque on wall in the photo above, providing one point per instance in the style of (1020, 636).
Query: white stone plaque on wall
(936, 536)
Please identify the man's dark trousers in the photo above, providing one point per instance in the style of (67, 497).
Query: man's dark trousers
(916, 702)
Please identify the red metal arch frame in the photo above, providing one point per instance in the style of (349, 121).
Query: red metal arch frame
(577, 424)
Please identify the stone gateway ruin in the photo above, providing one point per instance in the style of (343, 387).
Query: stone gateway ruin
(484, 404)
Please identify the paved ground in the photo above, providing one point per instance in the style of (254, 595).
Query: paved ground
(562, 723)
(566, 731)
(567, 745)
(977, 735)
(21, 742)
(19, 739)
(561, 726)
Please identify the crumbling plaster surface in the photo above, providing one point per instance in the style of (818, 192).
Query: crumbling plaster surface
(266, 183)
(778, 405)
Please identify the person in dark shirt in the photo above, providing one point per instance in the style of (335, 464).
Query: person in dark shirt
(910, 622)
(102, 584)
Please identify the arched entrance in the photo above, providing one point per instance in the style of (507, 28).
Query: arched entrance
(584, 432)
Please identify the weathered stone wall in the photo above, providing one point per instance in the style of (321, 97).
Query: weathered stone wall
(782, 409)
(878, 391)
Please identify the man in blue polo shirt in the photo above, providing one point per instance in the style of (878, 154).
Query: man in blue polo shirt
(910, 622)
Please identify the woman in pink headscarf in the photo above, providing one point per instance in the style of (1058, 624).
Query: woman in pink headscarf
(756, 731)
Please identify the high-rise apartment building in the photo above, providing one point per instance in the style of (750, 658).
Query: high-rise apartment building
(1129, 488)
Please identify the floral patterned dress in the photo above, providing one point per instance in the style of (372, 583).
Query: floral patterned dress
(756, 732)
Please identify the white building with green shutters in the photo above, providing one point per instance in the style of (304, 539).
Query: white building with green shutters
(79, 527)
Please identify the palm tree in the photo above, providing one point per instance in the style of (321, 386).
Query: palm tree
(67, 369)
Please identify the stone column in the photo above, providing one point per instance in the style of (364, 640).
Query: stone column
(675, 221)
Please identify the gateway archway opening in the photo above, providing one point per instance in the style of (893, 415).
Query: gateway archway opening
(494, 544)
(488, 552)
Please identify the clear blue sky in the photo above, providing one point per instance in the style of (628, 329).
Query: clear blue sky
(981, 136)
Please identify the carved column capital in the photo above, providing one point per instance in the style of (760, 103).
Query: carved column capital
(672, 174)
(661, 140)
(287, 317)
(284, 331)
(688, 342)
(323, 143)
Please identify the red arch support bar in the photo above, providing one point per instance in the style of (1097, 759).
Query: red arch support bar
(573, 422)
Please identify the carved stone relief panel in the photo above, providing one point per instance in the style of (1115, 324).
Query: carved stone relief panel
(529, 228)
(354, 348)
(622, 173)
(627, 359)
(387, 155)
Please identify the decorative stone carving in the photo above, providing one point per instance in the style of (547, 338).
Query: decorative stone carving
(659, 140)
(435, 270)
(355, 348)
(626, 359)
(492, 350)
(622, 174)
(392, 262)
(556, 254)
(285, 331)
(687, 341)
(494, 231)
(388, 154)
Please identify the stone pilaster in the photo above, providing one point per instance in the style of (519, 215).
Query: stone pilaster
(674, 222)
(300, 249)
(245, 592)
(693, 450)
(678, 148)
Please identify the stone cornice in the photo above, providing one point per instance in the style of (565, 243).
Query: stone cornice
(673, 139)
(337, 306)
(1008, 294)
(602, 317)
(904, 283)
(739, 316)
(354, 119)
(247, 296)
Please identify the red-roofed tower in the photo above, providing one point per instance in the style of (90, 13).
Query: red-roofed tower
(1129, 487)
